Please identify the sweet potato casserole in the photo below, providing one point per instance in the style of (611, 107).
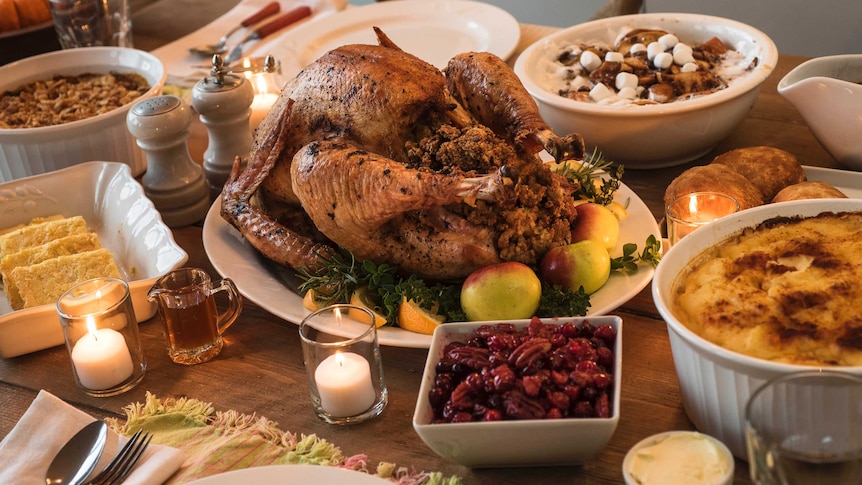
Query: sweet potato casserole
(788, 290)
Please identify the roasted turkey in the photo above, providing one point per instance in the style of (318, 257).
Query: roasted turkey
(374, 150)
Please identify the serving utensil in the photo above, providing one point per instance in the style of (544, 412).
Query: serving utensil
(77, 458)
(268, 10)
(279, 23)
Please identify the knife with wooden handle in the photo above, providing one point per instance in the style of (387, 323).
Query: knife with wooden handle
(279, 23)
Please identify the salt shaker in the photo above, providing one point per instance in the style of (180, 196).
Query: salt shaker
(173, 181)
(223, 101)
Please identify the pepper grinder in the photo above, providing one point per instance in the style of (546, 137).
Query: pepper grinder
(173, 181)
(223, 101)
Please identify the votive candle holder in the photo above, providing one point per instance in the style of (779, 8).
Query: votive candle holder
(344, 365)
(102, 337)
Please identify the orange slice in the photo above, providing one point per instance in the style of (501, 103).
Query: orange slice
(361, 297)
(412, 317)
(311, 301)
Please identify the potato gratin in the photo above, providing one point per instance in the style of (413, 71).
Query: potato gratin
(787, 290)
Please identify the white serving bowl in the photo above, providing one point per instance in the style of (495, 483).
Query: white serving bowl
(31, 151)
(658, 135)
(715, 383)
(827, 93)
(114, 205)
(532, 442)
(721, 454)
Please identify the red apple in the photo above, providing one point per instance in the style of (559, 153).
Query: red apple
(598, 223)
(582, 264)
(504, 291)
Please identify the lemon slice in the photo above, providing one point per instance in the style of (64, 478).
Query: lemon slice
(412, 317)
(618, 210)
(360, 297)
(311, 301)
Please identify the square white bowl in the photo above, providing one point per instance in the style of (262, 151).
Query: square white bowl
(32, 151)
(509, 443)
(114, 205)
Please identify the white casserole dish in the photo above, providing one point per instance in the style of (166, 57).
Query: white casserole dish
(31, 151)
(715, 383)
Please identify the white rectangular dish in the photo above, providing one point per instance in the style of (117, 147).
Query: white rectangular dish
(114, 205)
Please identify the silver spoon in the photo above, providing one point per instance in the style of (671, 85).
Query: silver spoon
(268, 10)
(79, 455)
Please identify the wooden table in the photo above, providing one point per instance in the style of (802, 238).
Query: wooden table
(260, 369)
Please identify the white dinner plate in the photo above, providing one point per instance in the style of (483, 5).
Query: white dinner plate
(433, 30)
(846, 181)
(301, 474)
(261, 282)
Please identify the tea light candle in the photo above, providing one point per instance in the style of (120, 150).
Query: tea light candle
(260, 108)
(695, 210)
(101, 358)
(344, 384)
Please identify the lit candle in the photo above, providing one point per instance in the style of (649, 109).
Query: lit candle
(344, 384)
(260, 107)
(101, 358)
(265, 96)
(696, 210)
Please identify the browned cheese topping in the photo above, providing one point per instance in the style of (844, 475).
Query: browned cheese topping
(789, 290)
(63, 99)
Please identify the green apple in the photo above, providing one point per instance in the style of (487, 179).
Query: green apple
(582, 264)
(598, 223)
(504, 291)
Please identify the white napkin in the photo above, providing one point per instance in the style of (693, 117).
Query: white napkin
(48, 424)
(180, 64)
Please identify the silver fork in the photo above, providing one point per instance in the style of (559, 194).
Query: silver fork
(121, 466)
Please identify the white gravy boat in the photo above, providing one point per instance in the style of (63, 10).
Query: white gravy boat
(827, 92)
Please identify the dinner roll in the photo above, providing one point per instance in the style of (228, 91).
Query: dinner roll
(715, 177)
(769, 169)
(8, 16)
(808, 190)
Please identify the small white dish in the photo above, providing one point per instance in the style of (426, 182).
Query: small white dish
(508, 443)
(114, 205)
(678, 458)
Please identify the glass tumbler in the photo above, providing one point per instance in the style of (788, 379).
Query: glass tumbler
(806, 429)
(101, 334)
(345, 370)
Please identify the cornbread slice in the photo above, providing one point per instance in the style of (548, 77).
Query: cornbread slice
(64, 246)
(36, 234)
(37, 220)
(43, 283)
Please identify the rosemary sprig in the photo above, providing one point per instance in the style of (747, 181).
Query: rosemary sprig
(585, 172)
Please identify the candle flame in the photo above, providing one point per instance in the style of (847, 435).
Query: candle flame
(337, 313)
(260, 84)
(692, 204)
(339, 359)
(91, 327)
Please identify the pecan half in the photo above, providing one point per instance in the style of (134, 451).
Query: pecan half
(529, 352)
